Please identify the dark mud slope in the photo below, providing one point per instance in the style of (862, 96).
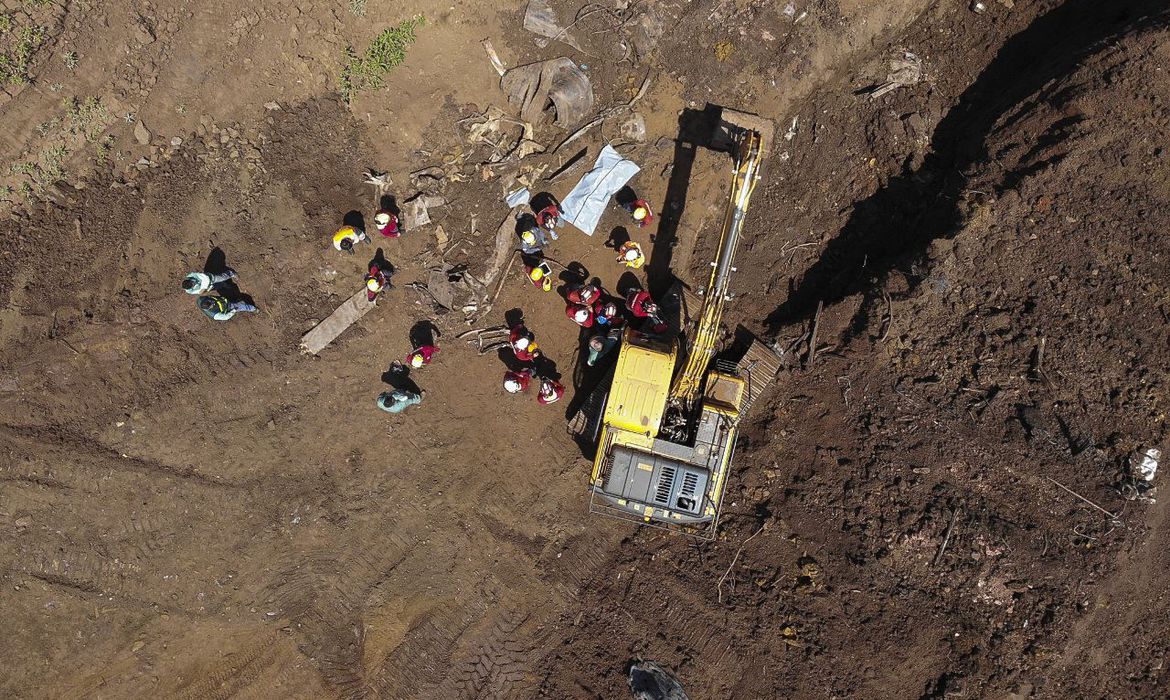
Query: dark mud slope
(896, 528)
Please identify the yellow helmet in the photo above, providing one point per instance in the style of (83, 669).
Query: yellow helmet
(641, 213)
(416, 360)
(528, 237)
(536, 274)
(373, 284)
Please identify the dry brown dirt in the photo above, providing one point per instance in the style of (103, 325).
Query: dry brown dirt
(198, 510)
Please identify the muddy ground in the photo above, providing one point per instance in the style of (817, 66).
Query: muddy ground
(932, 501)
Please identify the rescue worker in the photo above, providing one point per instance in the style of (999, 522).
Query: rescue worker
(549, 218)
(201, 282)
(640, 210)
(346, 237)
(584, 294)
(523, 343)
(641, 305)
(550, 391)
(580, 314)
(387, 224)
(422, 356)
(376, 281)
(601, 345)
(218, 308)
(398, 400)
(630, 254)
(532, 240)
(540, 275)
(517, 382)
(606, 313)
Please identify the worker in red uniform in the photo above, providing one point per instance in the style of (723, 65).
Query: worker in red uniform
(580, 314)
(376, 282)
(550, 391)
(584, 294)
(387, 223)
(641, 305)
(606, 313)
(549, 218)
(517, 382)
(640, 210)
(422, 356)
(540, 275)
(523, 343)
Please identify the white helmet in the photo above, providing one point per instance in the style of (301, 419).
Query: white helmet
(382, 218)
(581, 315)
(522, 343)
(631, 253)
(512, 386)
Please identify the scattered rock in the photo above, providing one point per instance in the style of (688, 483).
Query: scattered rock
(138, 646)
(272, 106)
(176, 141)
(141, 133)
(23, 521)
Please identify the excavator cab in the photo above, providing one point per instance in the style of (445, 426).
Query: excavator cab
(670, 420)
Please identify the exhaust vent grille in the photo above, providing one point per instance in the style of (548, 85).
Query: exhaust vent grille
(665, 485)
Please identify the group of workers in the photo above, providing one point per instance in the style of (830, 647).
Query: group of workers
(589, 306)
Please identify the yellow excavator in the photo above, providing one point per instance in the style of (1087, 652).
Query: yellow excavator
(671, 416)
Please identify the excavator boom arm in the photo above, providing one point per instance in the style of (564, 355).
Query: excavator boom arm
(702, 346)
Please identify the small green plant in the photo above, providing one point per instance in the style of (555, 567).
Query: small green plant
(26, 190)
(386, 52)
(5, 23)
(102, 155)
(357, 8)
(180, 109)
(71, 59)
(37, 3)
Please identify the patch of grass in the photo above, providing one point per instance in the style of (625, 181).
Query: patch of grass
(386, 52)
(357, 8)
(86, 118)
(14, 66)
(5, 23)
(71, 60)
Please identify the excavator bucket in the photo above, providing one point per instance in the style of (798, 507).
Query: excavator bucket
(733, 123)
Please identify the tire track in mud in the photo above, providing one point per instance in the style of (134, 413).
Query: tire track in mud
(421, 663)
(498, 664)
(325, 594)
(75, 445)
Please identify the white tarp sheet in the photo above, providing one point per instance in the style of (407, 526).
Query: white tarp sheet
(584, 205)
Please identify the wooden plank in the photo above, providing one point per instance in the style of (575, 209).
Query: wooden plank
(342, 318)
